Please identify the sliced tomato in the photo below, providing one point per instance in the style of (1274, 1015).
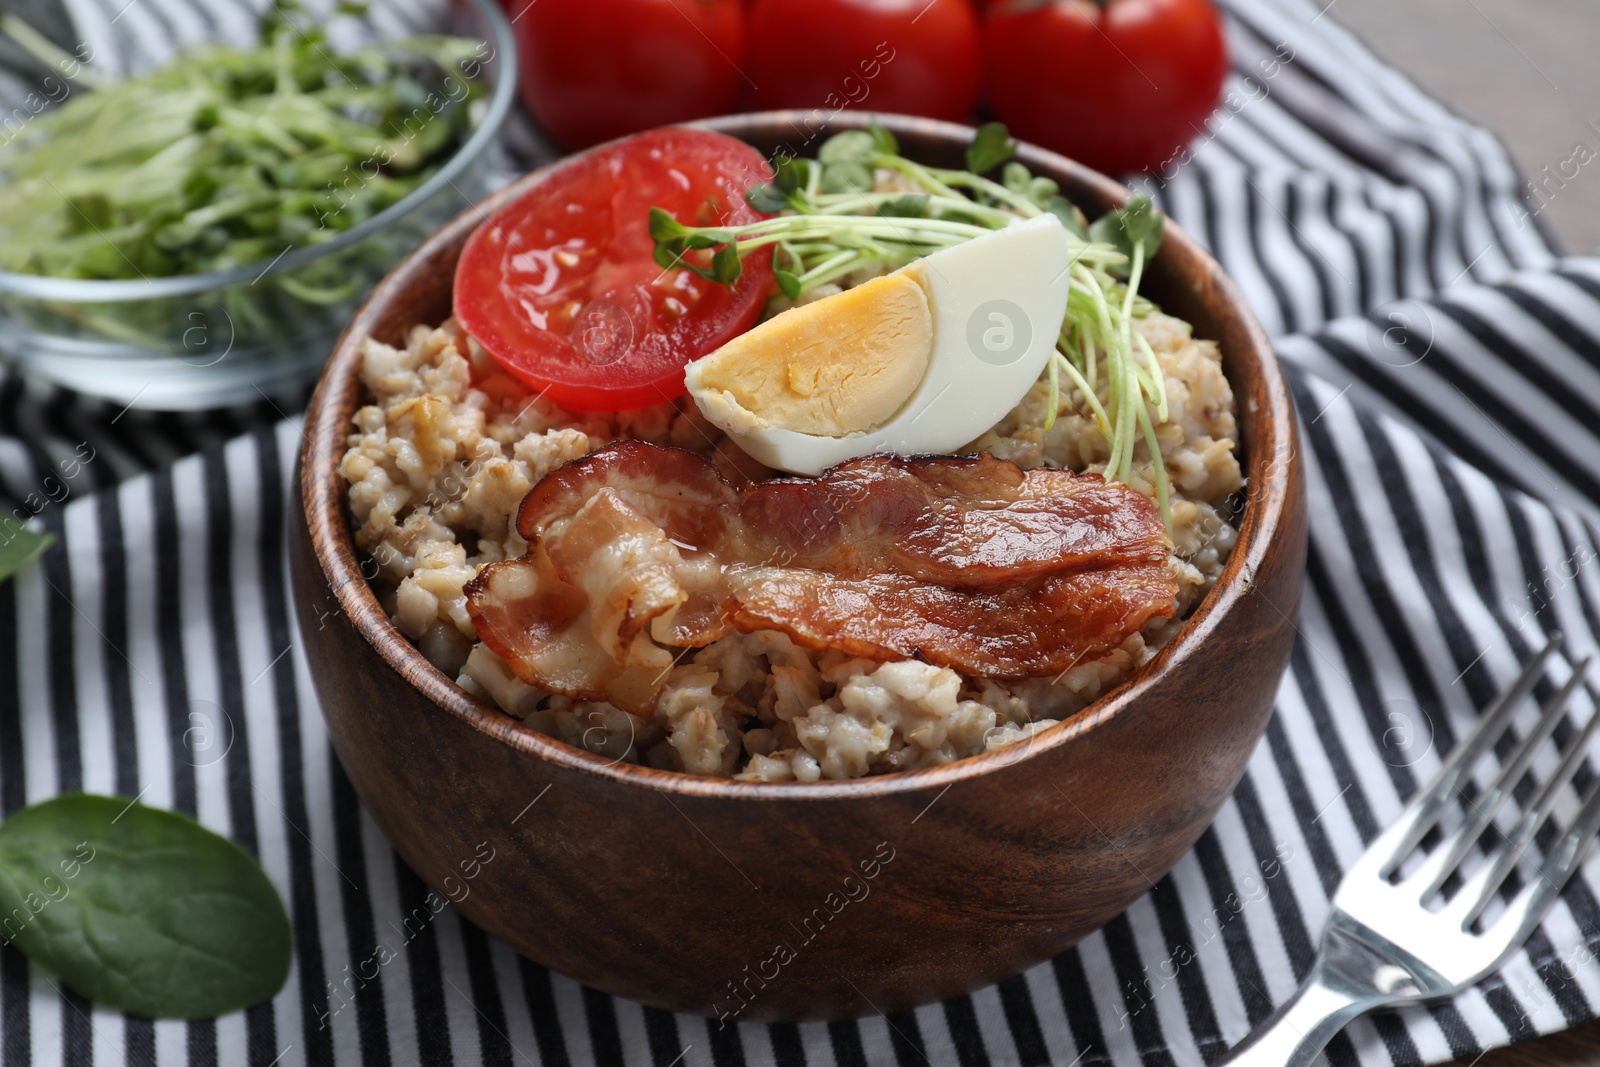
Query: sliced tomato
(561, 287)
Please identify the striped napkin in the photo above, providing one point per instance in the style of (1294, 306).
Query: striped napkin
(1446, 364)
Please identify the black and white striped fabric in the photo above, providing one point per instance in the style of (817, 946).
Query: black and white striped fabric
(1446, 364)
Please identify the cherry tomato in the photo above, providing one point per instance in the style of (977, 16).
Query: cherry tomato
(916, 57)
(1121, 85)
(593, 70)
(561, 288)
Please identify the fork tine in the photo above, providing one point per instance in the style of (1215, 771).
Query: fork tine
(1529, 907)
(1480, 888)
(1448, 856)
(1420, 815)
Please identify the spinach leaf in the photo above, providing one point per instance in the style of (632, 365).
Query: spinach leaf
(19, 547)
(141, 910)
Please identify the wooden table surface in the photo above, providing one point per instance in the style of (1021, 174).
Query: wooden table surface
(1578, 1047)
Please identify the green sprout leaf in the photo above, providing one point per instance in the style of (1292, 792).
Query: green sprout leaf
(19, 547)
(883, 140)
(788, 283)
(991, 147)
(144, 911)
(1135, 223)
(767, 199)
(725, 265)
(1040, 190)
(1143, 223)
(851, 146)
(1107, 229)
(1016, 177)
(847, 177)
(663, 227)
(910, 206)
(790, 174)
(667, 255)
(1070, 217)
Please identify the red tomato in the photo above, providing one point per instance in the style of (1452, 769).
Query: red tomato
(593, 70)
(916, 57)
(1121, 86)
(561, 289)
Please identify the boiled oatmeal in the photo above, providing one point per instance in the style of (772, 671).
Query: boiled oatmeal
(448, 446)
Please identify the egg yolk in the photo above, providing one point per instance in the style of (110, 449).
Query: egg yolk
(840, 365)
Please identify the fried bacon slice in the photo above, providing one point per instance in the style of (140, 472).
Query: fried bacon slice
(638, 552)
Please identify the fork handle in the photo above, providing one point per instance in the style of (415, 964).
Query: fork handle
(1297, 1032)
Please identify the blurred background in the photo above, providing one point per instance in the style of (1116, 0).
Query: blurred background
(1524, 68)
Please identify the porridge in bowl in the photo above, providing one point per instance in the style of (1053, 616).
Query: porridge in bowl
(683, 604)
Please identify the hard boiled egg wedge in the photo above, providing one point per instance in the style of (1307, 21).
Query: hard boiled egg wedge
(922, 360)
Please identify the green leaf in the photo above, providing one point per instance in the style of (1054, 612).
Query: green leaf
(1016, 178)
(1143, 223)
(846, 177)
(1070, 216)
(788, 282)
(883, 140)
(991, 147)
(20, 546)
(90, 213)
(144, 911)
(767, 199)
(1040, 190)
(725, 265)
(851, 146)
(669, 253)
(1107, 229)
(664, 227)
(790, 174)
(910, 206)
(664, 255)
(1136, 222)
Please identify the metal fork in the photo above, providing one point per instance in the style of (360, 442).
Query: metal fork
(1382, 946)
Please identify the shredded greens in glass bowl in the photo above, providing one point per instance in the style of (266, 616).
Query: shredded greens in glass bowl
(189, 235)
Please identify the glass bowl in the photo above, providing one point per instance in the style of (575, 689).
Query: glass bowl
(208, 340)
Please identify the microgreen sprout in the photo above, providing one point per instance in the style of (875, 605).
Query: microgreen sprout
(833, 218)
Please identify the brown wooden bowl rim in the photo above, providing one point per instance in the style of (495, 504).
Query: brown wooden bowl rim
(323, 494)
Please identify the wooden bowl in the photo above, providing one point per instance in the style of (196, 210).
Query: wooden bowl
(795, 901)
